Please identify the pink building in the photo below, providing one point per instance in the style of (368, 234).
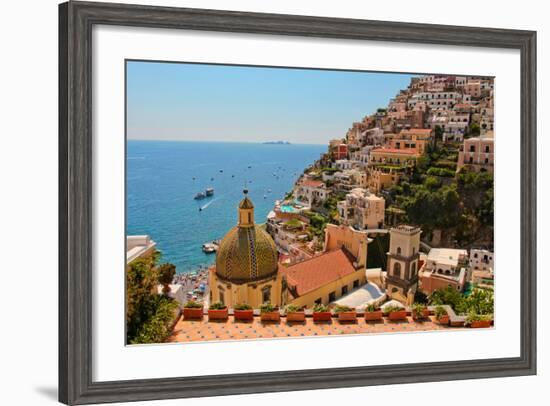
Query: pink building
(477, 154)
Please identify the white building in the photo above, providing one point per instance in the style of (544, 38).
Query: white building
(481, 260)
(311, 191)
(138, 246)
(362, 210)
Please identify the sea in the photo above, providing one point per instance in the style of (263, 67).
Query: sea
(162, 178)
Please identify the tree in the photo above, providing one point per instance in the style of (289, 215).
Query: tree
(475, 130)
(438, 135)
(166, 274)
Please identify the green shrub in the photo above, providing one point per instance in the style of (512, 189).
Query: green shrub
(217, 306)
(319, 308)
(371, 308)
(243, 306)
(267, 308)
(439, 312)
(293, 309)
(418, 308)
(393, 308)
(342, 308)
(191, 304)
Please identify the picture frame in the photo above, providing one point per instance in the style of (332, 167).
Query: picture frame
(76, 19)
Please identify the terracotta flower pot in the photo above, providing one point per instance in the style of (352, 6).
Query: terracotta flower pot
(218, 314)
(296, 316)
(399, 315)
(190, 313)
(244, 315)
(322, 316)
(374, 316)
(347, 316)
(480, 324)
(270, 316)
(443, 319)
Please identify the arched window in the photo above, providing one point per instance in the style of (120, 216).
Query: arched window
(398, 250)
(266, 294)
(413, 269)
(397, 269)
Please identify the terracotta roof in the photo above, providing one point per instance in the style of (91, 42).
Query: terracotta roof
(312, 183)
(407, 151)
(315, 272)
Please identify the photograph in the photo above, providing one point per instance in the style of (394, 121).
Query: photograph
(285, 202)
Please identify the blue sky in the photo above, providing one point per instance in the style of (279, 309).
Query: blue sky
(177, 101)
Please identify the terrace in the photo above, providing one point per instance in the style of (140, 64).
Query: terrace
(231, 329)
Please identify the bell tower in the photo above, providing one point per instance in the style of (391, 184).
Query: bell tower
(246, 211)
(402, 265)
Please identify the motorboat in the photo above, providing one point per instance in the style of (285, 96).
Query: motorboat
(209, 191)
(199, 196)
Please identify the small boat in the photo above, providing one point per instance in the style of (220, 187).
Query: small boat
(221, 170)
(209, 191)
(249, 166)
(212, 179)
(209, 247)
(200, 196)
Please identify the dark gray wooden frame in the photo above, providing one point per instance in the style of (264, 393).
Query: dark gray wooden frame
(76, 20)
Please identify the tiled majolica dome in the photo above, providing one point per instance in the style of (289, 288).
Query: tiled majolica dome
(247, 252)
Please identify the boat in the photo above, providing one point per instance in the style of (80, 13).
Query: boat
(209, 191)
(199, 196)
(210, 247)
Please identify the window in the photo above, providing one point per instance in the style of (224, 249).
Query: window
(486, 160)
(398, 251)
(344, 290)
(472, 148)
(356, 283)
(266, 294)
(222, 298)
(487, 149)
(397, 270)
(413, 269)
(318, 301)
(332, 296)
(471, 160)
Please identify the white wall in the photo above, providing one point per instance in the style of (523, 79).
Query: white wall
(28, 168)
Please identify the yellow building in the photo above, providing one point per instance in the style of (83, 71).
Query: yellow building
(331, 275)
(403, 263)
(246, 268)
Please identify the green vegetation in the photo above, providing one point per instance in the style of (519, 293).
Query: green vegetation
(293, 224)
(473, 316)
(342, 308)
(418, 308)
(440, 312)
(371, 308)
(243, 306)
(166, 274)
(191, 304)
(217, 306)
(267, 308)
(148, 314)
(378, 249)
(393, 308)
(317, 224)
(480, 301)
(436, 198)
(320, 308)
(292, 309)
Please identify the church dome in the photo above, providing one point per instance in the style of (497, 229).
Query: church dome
(247, 252)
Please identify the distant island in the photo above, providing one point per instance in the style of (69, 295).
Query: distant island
(277, 142)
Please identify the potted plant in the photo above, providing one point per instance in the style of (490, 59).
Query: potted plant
(372, 313)
(479, 320)
(441, 315)
(396, 312)
(217, 311)
(345, 313)
(295, 314)
(268, 312)
(243, 312)
(321, 313)
(419, 311)
(192, 310)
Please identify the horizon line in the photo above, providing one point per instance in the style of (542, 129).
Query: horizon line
(228, 141)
